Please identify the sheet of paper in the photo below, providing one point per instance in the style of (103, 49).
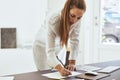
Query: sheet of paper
(7, 78)
(56, 75)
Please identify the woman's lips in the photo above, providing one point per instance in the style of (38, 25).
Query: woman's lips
(71, 23)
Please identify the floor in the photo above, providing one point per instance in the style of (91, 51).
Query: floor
(15, 61)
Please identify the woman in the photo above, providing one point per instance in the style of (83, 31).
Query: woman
(62, 27)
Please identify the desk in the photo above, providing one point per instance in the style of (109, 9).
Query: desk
(37, 75)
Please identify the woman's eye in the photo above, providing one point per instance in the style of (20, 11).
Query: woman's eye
(79, 18)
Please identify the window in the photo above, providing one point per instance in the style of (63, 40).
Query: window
(110, 21)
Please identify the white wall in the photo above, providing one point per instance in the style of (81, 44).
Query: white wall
(87, 35)
(26, 15)
(0, 38)
(88, 31)
(55, 5)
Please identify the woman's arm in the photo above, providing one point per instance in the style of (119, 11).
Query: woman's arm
(74, 42)
(50, 47)
(74, 47)
(51, 56)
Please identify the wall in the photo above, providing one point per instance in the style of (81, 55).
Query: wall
(55, 5)
(0, 38)
(25, 15)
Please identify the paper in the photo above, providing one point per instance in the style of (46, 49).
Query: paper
(6, 78)
(57, 75)
(88, 68)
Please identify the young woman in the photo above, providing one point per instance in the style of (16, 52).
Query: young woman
(62, 29)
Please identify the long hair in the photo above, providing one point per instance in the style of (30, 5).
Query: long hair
(64, 22)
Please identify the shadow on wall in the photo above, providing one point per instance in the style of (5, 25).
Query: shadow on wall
(8, 38)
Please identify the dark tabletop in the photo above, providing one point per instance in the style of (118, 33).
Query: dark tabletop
(38, 74)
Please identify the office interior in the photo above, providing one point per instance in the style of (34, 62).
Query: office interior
(21, 20)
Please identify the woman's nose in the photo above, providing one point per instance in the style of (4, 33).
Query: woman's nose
(75, 20)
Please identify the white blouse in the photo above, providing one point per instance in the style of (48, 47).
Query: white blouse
(53, 47)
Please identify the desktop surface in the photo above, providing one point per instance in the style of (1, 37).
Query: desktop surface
(38, 74)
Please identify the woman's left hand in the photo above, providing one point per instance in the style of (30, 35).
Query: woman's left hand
(71, 65)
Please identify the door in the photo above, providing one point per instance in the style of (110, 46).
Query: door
(107, 30)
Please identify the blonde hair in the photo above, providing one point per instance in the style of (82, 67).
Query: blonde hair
(64, 22)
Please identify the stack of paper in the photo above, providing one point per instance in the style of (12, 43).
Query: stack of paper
(57, 75)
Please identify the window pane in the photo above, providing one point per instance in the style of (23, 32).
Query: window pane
(110, 21)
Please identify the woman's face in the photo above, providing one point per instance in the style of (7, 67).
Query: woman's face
(75, 14)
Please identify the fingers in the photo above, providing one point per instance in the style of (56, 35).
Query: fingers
(65, 72)
(71, 67)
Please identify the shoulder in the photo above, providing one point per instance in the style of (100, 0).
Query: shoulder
(53, 22)
(53, 18)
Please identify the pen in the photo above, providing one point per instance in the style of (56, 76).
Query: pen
(60, 61)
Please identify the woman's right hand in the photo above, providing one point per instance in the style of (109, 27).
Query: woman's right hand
(63, 71)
